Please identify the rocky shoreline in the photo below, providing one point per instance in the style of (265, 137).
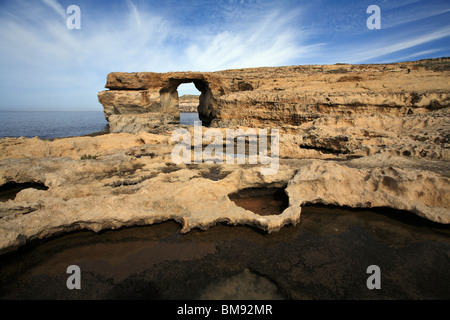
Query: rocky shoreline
(370, 146)
(130, 180)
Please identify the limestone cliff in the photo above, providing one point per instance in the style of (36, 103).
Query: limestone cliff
(356, 110)
(280, 96)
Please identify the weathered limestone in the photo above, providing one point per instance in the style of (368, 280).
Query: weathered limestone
(361, 136)
(422, 192)
(154, 96)
(351, 110)
(281, 96)
(134, 182)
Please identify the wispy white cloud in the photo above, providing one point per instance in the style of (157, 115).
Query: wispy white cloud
(267, 41)
(412, 13)
(396, 44)
(66, 68)
(56, 7)
(414, 55)
(76, 62)
(134, 12)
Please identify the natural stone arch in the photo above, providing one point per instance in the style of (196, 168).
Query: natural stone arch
(170, 100)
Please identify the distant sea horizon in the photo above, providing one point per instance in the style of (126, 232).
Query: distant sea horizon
(60, 124)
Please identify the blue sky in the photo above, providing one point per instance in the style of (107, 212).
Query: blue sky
(46, 66)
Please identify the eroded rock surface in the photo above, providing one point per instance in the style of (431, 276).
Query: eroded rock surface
(279, 96)
(357, 136)
(134, 182)
(399, 109)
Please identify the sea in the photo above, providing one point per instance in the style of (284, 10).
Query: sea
(60, 124)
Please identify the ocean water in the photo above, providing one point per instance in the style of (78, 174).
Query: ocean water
(51, 124)
(188, 119)
(54, 124)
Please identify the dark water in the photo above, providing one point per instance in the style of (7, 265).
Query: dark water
(50, 125)
(325, 256)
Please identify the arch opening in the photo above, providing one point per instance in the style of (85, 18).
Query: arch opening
(189, 100)
(170, 100)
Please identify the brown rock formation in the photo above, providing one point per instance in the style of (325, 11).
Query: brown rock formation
(280, 96)
(361, 136)
(133, 181)
(353, 110)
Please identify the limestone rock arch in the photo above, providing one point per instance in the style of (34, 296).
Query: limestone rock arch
(170, 100)
(145, 100)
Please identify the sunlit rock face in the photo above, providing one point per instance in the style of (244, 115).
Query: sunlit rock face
(284, 96)
(139, 101)
(130, 180)
(359, 136)
(359, 110)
